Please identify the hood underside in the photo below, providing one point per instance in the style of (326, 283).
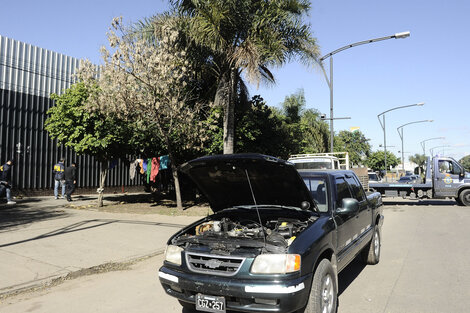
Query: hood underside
(247, 179)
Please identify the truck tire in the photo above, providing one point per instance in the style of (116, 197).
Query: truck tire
(457, 199)
(371, 253)
(323, 295)
(465, 197)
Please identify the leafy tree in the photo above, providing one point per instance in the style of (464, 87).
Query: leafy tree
(465, 161)
(420, 160)
(308, 133)
(315, 132)
(356, 144)
(376, 160)
(87, 132)
(258, 129)
(151, 84)
(246, 37)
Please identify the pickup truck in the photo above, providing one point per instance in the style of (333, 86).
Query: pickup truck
(277, 239)
(444, 178)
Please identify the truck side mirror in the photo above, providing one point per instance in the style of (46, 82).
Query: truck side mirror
(348, 206)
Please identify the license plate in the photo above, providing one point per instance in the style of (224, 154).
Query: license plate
(210, 303)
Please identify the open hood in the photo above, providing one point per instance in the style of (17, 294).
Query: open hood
(223, 180)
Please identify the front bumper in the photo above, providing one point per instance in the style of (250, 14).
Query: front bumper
(240, 295)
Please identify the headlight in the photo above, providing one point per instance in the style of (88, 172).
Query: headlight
(173, 254)
(276, 264)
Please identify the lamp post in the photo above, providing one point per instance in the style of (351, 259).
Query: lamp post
(423, 143)
(382, 123)
(329, 81)
(401, 137)
(432, 149)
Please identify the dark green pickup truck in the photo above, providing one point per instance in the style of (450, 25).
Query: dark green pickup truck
(277, 239)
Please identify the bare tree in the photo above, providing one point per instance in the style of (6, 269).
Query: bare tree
(150, 83)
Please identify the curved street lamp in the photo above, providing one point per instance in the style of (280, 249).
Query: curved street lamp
(401, 136)
(329, 81)
(432, 149)
(423, 143)
(383, 126)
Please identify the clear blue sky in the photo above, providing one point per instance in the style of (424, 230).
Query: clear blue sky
(430, 66)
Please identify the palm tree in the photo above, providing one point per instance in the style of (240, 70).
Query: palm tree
(418, 159)
(246, 38)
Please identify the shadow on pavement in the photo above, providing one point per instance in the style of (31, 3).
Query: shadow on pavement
(424, 202)
(349, 274)
(21, 215)
(88, 224)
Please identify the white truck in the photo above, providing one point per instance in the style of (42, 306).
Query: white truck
(321, 161)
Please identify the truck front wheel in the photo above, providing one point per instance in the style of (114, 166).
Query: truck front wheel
(323, 295)
(465, 197)
(371, 253)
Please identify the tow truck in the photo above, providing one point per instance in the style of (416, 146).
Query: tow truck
(444, 178)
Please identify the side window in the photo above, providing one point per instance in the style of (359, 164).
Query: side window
(455, 168)
(356, 189)
(444, 166)
(342, 190)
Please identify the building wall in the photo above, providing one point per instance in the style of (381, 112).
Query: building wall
(28, 76)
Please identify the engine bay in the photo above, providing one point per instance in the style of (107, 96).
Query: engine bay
(227, 234)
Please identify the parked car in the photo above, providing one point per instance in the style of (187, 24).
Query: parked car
(408, 179)
(277, 239)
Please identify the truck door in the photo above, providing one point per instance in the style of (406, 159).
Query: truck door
(346, 223)
(364, 220)
(447, 178)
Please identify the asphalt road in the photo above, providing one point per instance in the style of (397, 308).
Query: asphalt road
(424, 268)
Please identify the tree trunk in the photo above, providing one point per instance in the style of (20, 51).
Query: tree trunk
(225, 96)
(174, 172)
(103, 173)
(179, 202)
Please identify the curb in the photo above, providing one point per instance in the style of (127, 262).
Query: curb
(52, 281)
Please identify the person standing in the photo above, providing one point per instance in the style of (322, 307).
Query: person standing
(59, 180)
(5, 180)
(70, 175)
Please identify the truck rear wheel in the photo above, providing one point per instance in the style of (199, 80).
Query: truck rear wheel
(323, 295)
(465, 197)
(371, 253)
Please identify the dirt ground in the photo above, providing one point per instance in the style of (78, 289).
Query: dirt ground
(142, 204)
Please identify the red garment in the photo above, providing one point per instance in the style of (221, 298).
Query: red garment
(155, 168)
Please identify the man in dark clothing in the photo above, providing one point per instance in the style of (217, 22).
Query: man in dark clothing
(70, 174)
(5, 180)
(59, 178)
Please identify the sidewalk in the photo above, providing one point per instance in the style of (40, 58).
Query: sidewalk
(42, 241)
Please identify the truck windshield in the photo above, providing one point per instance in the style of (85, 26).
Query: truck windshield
(313, 165)
(318, 189)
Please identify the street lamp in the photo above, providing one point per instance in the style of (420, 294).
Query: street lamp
(432, 149)
(329, 81)
(401, 137)
(423, 143)
(383, 126)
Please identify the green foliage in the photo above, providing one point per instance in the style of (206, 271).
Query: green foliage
(86, 132)
(465, 161)
(376, 160)
(308, 132)
(245, 36)
(356, 144)
(420, 160)
(259, 129)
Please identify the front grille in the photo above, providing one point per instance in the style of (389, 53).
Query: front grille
(213, 264)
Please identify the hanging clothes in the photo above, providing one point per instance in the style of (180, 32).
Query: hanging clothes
(144, 167)
(141, 164)
(164, 162)
(155, 169)
(149, 170)
(132, 169)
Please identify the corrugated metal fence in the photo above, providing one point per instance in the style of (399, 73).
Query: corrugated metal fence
(28, 75)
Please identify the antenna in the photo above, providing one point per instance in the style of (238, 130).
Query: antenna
(256, 206)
